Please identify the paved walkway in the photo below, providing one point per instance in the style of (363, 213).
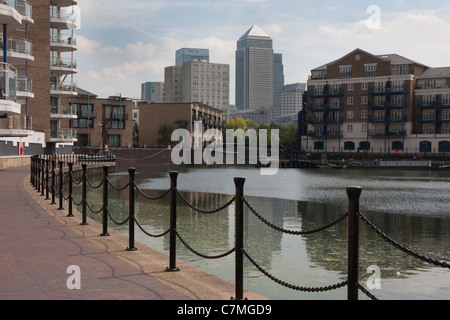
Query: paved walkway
(36, 251)
(38, 243)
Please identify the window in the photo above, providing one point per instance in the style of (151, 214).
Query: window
(318, 89)
(430, 84)
(364, 86)
(350, 128)
(380, 86)
(446, 99)
(345, 71)
(350, 101)
(363, 114)
(350, 87)
(370, 70)
(397, 85)
(364, 100)
(445, 115)
(364, 127)
(429, 99)
(404, 69)
(397, 101)
(349, 114)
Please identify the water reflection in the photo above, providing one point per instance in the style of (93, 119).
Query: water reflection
(301, 200)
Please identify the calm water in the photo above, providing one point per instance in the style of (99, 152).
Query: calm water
(412, 207)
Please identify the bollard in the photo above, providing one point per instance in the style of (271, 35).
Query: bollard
(131, 247)
(43, 177)
(353, 194)
(61, 185)
(70, 189)
(38, 175)
(53, 181)
(173, 222)
(105, 202)
(239, 254)
(47, 166)
(84, 193)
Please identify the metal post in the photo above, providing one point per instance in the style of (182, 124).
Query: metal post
(131, 247)
(239, 221)
(31, 169)
(70, 189)
(61, 185)
(105, 202)
(43, 177)
(84, 192)
(53, 181)
(173, 221)
(38, 175)
(353, 194)
(47, 166)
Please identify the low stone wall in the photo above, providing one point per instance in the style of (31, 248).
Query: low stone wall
(14, 162)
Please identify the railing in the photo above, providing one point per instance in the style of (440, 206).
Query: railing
(40, 177)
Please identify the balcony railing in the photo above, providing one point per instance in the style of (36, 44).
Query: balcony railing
(22, 7)
(65, 134)
(21, 46)
(24, 84)
(16, 122)
(62, 110)
(64, 87)
(7, 82)
(64, 63)
(68, 40)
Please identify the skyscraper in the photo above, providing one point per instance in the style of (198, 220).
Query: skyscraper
(278, 73)
(188, 54)
(254, 70)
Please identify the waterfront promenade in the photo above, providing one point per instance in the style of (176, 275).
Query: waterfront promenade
(38, 243)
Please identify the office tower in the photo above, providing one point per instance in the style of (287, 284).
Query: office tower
(377, 103)
(289, 101)
(199, 81)
(278, 73)
(187, 54)
(152, 91)
(254, 70)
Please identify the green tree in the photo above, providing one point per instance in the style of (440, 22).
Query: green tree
(165, 131)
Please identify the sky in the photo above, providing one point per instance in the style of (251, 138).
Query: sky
(122, 44)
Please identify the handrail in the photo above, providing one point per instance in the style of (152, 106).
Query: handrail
(40, 178)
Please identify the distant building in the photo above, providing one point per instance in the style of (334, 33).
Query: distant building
(288, 102)
(377, 103)
(199, 81)
(188, 54)
(260, 115)
(152, 91)
(254, 70)
(152, 116)
(278, 73)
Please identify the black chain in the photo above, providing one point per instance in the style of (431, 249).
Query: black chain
(92, 210)
(203, 210)
(117, 223)
(92, 186)
(115, 188)
(149, 234)
(294, 287)
(260, 217)
(367, 293)
(150, 198)
(402, 248)
(202, 255)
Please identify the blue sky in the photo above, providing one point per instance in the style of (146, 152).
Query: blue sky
(124, 43)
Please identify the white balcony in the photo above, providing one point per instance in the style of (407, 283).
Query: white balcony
(63, 90)
(62, 19)
(63, 136)
(8, 85)
(25, 9)
(15, 126)
(24, 88)
(19, 50)
(63, 66)
(63, 43)
(62, 112)
(9, 15)
(63, 3)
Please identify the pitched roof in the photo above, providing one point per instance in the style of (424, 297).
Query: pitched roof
(255, 31)
(434, 73)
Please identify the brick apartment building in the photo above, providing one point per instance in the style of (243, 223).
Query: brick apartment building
(40, 72)
(101, 122)
(152, 116)
(376, 103)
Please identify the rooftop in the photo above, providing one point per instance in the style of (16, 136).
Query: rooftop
(255, 31)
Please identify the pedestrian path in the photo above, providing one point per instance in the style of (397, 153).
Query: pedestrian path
(36, 251)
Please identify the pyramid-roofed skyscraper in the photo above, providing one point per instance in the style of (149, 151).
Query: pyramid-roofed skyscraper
(254, 70)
